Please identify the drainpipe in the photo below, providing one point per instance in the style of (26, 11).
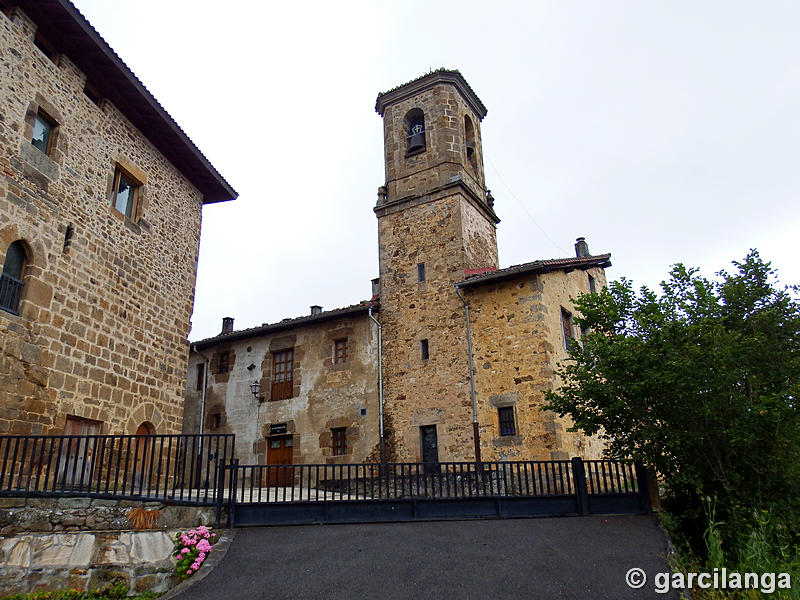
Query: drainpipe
(202, 412)
(380, 386)
(475, 432)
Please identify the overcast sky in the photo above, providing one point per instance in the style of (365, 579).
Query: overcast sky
(662, 132)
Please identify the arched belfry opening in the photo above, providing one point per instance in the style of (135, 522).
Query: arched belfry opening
(469, 140)
(414, 125)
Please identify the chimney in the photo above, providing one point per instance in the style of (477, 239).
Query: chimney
(227, 324)
(376, 287)
(315, 309)
(581, 248)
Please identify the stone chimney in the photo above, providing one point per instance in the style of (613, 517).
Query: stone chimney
(316, 309)
(581, 248)
(376, 287)
(227, 324)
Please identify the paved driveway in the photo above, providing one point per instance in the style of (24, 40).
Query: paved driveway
(572, 557)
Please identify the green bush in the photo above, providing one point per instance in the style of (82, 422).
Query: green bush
(114, 591)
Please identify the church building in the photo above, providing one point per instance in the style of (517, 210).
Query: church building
(451, 356)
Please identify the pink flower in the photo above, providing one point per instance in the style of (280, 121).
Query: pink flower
(184, 551)
(203, 546)
(189, 572)
(202, 530)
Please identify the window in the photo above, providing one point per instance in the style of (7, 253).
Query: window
(592, 285)
(469, 138)
(201, 370)
(339, 441)
(421, 272)
(223, 366)
(414, 124)
(566, 327)
(216, 420)
(11, 280)
(123, 193)
(282, 366)
(43, 127)
(44, 46)
(423, 349)
(340, 351)
(506, 417)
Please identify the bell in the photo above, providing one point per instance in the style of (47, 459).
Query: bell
(470, 150)
(416, 141)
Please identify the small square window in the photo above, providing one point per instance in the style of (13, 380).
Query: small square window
(43, 127)
(124, 193)
(421, 272)
(339, 441)
(423, 349)
(506, 417)
(340, 351)
(592, 285)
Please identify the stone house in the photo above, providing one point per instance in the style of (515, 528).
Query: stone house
(101, 196)
(449, 358)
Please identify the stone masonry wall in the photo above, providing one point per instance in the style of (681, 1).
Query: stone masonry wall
(517, 343)
(107, 299)
(326, 395)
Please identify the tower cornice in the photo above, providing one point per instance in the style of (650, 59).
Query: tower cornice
(427, 81)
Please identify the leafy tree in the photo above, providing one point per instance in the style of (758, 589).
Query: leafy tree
(701, 384)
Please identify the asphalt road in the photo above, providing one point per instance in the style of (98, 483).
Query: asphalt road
(542, 559)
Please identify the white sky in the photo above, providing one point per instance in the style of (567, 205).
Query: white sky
(663, 132)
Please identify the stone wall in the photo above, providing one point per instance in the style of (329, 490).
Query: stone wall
(107, 300)
(25, 515)
(325, 395)
(517, 344)
(87, 560)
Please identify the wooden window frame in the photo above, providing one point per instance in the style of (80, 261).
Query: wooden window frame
(567, 328)
(282, 375)
(507, 421)
(51, 135)
(135, 186)
(224, 362)
(201, 371)
(340, 351)
(338, 441)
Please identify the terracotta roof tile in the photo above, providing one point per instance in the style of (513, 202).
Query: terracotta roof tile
(537, 266)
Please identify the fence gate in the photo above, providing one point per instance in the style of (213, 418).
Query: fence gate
(348, 493)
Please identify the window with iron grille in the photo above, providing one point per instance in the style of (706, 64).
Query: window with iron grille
(12, 278)
(340, 351)
(506, 415)
(282, 367)
(224, 362)
(566, 327)
(339, 441)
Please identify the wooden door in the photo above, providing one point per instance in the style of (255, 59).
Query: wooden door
(141, 464)
(76, 464)
(430, 448)
(279, 452)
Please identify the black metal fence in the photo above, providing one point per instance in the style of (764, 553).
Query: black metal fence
(264, 494)
(177, 468)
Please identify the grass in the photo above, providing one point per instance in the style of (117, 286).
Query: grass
(115, 591)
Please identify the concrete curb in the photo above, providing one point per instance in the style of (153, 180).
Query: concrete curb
(226, 537)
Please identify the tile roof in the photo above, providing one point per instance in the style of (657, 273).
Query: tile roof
(537, 266)
(63, 26)
(423, 82)
(266, 328)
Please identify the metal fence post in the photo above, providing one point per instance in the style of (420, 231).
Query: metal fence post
(581, 491)
(232, 494)
(220, 492)
(644, 491)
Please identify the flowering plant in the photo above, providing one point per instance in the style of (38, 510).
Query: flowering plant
(191, 550)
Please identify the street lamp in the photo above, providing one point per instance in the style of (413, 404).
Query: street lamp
(255, 388)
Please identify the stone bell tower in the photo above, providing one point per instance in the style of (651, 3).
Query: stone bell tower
(436, 221)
